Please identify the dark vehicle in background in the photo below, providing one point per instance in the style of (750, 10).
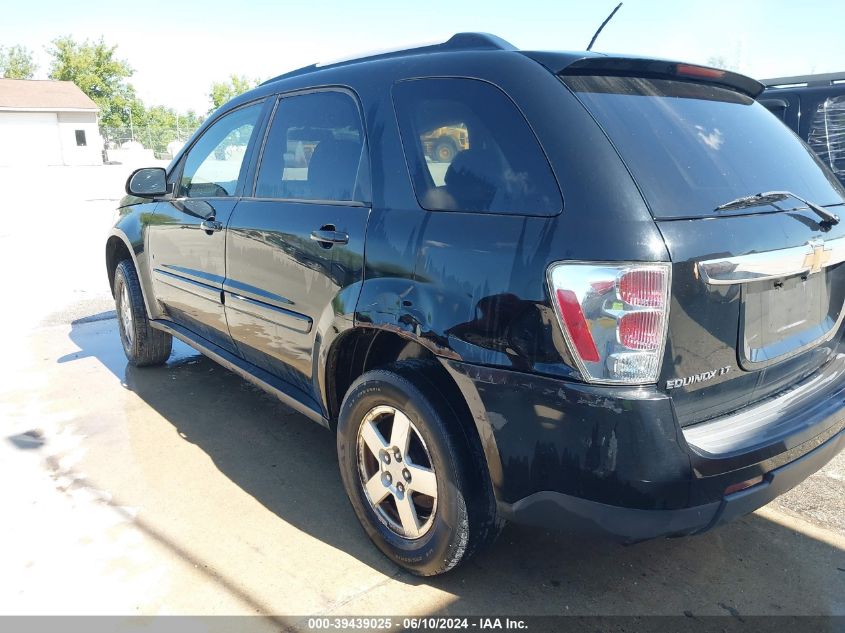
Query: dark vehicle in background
(619, 308)
(813, 106)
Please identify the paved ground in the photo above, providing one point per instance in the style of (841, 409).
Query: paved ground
(183, 489)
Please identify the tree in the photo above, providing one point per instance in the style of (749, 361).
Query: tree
(162, 125)
(16, 63)
(94, 67)
(223, 91)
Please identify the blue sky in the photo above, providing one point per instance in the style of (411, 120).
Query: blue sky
(178, 47)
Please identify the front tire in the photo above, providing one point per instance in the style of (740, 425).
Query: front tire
(143, 345)
(410, 470)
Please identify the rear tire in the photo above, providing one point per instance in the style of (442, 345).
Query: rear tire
(143, 345)
(453, 511)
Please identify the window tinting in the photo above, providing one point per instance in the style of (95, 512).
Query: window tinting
(469, 149)
(213, 164)
(315, 150)
(827, 134)
(692, 147)
(80, 138)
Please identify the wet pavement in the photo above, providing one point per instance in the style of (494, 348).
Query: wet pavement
(183, 489)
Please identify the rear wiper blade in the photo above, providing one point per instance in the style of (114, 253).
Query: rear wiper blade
(752, 201)
(769, 197)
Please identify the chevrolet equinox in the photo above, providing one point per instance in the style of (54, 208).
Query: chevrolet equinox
(615, 306)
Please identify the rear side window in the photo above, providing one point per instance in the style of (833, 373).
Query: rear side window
(469, 148)
(827, 134)
(315, 150)
(692, 147)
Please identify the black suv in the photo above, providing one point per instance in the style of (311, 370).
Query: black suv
(617, 308)
(813, 106)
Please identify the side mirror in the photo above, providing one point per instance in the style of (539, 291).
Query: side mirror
(149, 182)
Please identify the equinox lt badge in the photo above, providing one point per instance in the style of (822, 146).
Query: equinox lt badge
(702, 377)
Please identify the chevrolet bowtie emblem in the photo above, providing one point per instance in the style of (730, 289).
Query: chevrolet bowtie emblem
(817, 258)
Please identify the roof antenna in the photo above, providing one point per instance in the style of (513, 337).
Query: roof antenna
(603, 24)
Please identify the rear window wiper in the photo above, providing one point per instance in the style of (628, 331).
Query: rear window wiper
(769, 197)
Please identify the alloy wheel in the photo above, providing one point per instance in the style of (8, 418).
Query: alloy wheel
(397, 473)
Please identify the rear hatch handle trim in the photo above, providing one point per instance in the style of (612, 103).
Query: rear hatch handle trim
(810, 258)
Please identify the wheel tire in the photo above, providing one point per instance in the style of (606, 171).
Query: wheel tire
(464, 517)
(143, 345)
(444, 151)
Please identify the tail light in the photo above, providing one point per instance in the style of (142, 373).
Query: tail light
(613, 317)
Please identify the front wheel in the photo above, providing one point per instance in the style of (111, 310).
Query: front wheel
(143, 345)
(409, 468)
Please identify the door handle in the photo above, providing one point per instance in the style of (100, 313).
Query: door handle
(210, 225)
(329, 236)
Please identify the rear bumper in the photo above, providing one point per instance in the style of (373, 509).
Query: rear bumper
(615, 460)
(554, 509)
(777, 481)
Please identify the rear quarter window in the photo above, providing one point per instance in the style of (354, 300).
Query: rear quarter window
(468, 148)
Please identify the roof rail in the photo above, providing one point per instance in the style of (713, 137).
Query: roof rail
(459, 41)
(825, 79)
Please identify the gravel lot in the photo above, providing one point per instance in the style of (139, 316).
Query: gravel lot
(184, 490)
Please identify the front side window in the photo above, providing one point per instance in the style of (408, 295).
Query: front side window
(315, 150)
(213, 165)
(80, 138)
(827, 134)
(469, 149)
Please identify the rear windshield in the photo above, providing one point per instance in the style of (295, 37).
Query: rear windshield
(692, 147)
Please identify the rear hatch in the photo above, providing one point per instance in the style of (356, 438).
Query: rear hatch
(757, 286)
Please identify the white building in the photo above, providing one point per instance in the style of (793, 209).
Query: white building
(47, 123)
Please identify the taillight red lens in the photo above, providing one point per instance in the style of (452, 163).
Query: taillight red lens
(641, 330)
(644, 288)
(576, 325)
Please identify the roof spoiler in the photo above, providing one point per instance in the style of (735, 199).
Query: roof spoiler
(634, 67)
